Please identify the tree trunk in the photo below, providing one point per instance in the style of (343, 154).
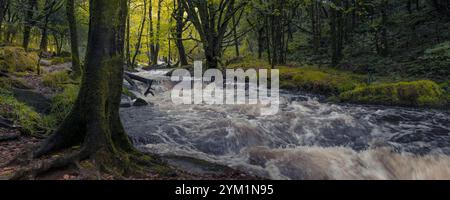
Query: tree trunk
(76, 65)
(179, 34)
(128, 50)
(156, 38)
(384, 30)
(235, 37)
(94, 121)
(336, 27)
(44, 39)
(212, 53)
(3, 8)
(43, 46)
(141, 31)
(31, 5)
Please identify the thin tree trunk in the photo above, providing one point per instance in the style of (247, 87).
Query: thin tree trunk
(141, 31)
(384, 30)
(235, 37)
(158, 34)
(128, 45)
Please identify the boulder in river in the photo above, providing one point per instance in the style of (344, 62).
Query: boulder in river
(140, 102)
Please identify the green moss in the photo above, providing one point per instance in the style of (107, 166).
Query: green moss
(16, 59)
(62, 104)
(319, 80)
(417, 93)
(56, 79)
(24, 116)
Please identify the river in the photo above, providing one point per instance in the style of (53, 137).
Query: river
(307, 139)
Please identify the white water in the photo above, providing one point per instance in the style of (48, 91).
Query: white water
(306, 140)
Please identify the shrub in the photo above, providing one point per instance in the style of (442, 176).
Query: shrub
(446, 87)
(417, 93)
(435, 62)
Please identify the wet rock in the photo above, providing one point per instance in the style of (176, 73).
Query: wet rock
(125, 105)
(140, 102)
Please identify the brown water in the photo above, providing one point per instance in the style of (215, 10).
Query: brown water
(308, 139)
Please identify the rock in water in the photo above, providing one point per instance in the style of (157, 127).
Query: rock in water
(140, 102)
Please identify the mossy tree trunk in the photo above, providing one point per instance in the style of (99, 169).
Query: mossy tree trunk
(94, 123)
(70, 9)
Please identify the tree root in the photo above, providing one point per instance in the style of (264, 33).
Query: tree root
(44, 166)
(119, 165)
(9, 138)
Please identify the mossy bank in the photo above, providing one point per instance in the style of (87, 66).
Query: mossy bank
(345, 86)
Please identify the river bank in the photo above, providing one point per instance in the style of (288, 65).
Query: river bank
(342, 86)
(308, 139)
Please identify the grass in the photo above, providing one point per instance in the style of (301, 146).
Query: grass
(56, 80)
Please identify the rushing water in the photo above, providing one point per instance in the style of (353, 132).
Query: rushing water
(308, 139)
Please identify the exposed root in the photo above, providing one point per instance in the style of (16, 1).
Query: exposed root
(44, 166)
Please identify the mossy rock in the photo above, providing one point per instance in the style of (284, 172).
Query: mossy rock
(16, 59)
(321, 81)
(423, 93)
(24, 116)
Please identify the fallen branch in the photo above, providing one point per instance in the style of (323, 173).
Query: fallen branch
(132, 83)
(4, 123)
(139, 78)
(147, 81)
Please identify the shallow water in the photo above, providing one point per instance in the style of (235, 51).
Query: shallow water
(307, 139)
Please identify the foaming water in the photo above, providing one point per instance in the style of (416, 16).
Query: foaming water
(307, 139)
